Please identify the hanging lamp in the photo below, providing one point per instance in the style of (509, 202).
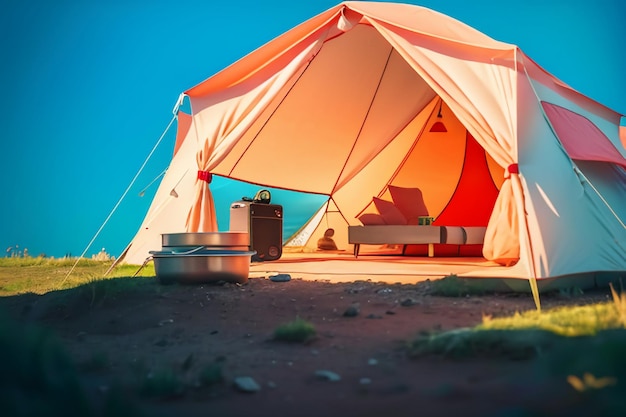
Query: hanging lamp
(438, 126)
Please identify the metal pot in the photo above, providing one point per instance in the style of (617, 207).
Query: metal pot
(212, 239)
(199, 265)
(183, 249)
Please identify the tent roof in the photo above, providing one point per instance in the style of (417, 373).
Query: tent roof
(432, 24)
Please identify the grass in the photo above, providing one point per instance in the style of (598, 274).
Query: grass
(38, 377)
(298, 330)
(581, 347)
(524, 333)
(39, 367)
(453, 286)
(585, 320)
(86, 288)
(36, 363)
(619, 301)
(42, 275)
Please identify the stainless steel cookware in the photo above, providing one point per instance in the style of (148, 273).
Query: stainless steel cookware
(201, 265)
(214, 240)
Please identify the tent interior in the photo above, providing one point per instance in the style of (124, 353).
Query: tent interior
(356, 120)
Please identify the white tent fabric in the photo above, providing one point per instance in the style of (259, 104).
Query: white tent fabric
(342, 105)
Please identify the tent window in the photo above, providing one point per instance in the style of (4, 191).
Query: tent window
(581, 139)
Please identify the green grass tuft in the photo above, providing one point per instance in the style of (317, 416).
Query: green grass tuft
(523, 335)
(619, 301)
(453, 286)
(298, 330)
(470, 343)
(565, 321)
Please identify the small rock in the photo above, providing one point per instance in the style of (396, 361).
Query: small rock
(390, 312)
(365, 381)
(408, 302)
(384, 291)
(352, 311)
(246, 384)
(374, 316)
(372, 361)
(167, 321)
(280, 278)
(327, 375)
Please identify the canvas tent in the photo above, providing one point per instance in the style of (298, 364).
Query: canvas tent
(343, 105)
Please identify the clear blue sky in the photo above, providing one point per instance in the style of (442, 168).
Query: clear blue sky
(88, 87)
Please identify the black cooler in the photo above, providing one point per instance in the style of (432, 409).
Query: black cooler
(264, 223)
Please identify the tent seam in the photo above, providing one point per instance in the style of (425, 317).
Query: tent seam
(391, 49)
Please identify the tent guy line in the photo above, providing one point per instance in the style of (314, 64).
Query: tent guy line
(119, 201)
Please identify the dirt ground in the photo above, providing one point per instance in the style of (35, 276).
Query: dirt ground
(185, 329)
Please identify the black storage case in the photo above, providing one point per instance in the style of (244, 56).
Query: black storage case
(264, 223)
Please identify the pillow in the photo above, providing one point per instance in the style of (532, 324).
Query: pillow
(409, 201)
(389, 212)
(369, 219)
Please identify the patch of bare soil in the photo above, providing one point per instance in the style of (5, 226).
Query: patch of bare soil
(184, 332)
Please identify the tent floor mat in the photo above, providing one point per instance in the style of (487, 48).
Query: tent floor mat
(341, 266)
